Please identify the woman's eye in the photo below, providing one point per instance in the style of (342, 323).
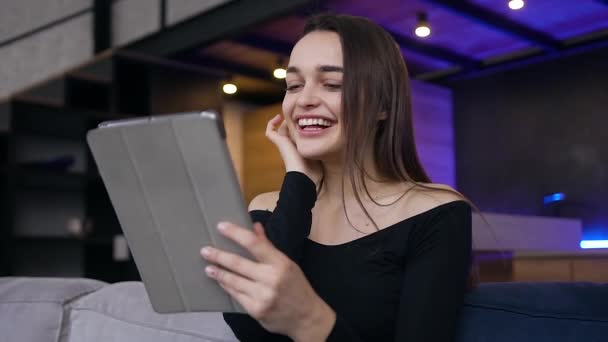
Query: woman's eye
(293, 87)
(333, 86)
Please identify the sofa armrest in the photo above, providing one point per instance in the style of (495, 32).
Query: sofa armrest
(32, 309)
(123, 311)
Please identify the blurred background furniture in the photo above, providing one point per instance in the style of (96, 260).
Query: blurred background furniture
(76, 309)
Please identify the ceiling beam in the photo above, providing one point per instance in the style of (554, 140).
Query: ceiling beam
(521, 62)
(418, 46)
(230, 68)
(433, 51)
(283, 49)
(219, 23)
(259, 98)
(499, 22)
(436, 52)
(268, 44)
(227, 67)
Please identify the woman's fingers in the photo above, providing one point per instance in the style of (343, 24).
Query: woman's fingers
(277, 128)
(258, 245)
(232, 262)
(242, 289)
(283, 129)
(273, 125)
(230, 279)
(241, 297)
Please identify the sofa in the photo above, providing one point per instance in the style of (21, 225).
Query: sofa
(75, 309)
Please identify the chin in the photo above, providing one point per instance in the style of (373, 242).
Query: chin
(312, 154)
(317, 150)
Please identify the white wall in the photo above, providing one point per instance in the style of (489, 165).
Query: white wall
(20, 16)
(30, 60)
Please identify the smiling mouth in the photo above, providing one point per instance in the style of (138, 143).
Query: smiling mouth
(314, 124)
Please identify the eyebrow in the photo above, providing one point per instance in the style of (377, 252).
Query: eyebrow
(320, 68)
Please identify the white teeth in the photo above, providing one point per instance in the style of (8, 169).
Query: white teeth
(309, 122)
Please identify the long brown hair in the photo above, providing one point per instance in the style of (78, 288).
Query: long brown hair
(376, 107)
(376, 102)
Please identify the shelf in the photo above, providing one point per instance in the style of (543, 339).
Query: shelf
(82, 91)
(47, 257)
(99, 240)
(50, 180)
(27, 238)
(49, 174)
(46, 119)
(65, 238)
(33, 117)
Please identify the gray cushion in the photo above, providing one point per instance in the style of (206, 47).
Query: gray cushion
(32, 309)
(122, 312)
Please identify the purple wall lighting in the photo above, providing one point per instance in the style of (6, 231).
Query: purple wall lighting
(591, 244)
(595, 236)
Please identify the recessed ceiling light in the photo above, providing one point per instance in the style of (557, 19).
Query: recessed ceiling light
(516, 4)
(422, 29)
(229, 88)
(279, 73)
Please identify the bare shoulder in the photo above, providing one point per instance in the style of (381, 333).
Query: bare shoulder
(431, 195)
(264, 201)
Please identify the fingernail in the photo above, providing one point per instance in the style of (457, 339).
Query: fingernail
(206, 251)
(210, 270)
(222, 226)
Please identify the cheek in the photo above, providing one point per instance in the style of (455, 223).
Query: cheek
(287, 108)
(288, 104)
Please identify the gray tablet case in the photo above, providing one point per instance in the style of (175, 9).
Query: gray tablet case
(170, 179)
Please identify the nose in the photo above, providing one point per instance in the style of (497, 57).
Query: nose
(308, 98)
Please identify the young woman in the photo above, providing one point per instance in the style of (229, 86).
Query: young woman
(358, 245)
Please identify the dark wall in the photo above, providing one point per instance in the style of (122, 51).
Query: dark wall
(529, 132)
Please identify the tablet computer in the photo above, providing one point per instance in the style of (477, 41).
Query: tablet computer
(171, 180)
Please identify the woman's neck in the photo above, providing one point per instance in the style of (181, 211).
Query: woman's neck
(337, 183)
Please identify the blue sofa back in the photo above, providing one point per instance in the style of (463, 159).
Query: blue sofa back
(536, 312)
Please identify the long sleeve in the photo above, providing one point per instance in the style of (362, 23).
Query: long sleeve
(287, 227)
(435, 252)
(289, 224)
(434, 283)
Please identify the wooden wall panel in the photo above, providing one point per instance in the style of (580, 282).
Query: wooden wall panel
(263, 168)
(233, 123)
(542, 270)
(592, 269)
(564, 268)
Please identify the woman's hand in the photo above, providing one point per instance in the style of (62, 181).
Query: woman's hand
(272, 290)
(278, 132)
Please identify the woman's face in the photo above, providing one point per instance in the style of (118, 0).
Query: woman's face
(313, 99)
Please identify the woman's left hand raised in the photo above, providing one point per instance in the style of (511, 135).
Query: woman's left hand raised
(272, 289)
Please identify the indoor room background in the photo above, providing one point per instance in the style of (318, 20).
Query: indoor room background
(510, 108)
